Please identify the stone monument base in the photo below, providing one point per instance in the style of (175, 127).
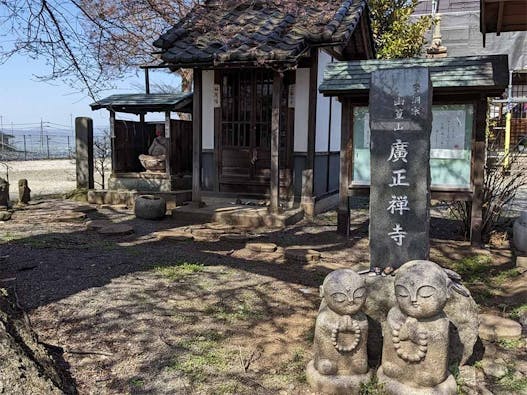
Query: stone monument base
(394, 387)
(338, 385)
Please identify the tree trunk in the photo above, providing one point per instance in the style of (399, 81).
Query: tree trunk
(27, 366)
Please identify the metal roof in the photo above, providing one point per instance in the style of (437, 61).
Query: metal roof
(488, 74)
(137, 103)
(261, 31)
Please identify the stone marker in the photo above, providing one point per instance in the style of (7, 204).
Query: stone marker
(84, 152)
(401, 123)
(24, 193)
(340, 361)
(416, 334)
(4, 193)
(494, 328)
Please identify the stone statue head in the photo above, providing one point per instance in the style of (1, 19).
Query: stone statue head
(421, 289)
(160, 130)
(344, 291)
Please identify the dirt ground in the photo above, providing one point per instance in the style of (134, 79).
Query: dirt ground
(134, 314)
(45, 177)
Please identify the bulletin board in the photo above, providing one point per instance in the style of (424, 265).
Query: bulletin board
(450, 145)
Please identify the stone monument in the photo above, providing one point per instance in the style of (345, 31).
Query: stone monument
(340, 363)
(84, 152)
(400, 124)
(155, 161)
(24, 193)
(416, 334)
(4, 193)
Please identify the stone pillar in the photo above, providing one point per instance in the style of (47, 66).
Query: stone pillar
(84, 152)
(400, 123)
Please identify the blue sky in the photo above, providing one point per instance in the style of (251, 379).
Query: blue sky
(26, 100)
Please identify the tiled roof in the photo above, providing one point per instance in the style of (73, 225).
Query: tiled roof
(261, 32)
(487, 73)
(136, 103)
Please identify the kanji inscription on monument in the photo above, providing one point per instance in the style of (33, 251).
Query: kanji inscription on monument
(400, 123)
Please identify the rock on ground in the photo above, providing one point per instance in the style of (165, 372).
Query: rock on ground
(493, 328)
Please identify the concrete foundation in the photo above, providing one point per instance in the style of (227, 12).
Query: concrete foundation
(225, 211)
(113, 197)
(148, 182)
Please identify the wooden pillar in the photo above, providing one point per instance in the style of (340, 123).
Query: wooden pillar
(217, 133)
(196, 138)
(147, 81)
(141, 141)
(168, 136)
(478, 171)
(308, 175)
(112, 141)
(274, 205)
(346, 134)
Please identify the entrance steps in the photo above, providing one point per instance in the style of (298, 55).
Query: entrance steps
(225, 211)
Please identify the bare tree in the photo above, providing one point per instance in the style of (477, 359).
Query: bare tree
(501, 184)
(96, 41)
(102, 152)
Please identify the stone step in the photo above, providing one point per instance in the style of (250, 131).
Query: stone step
(258, 218)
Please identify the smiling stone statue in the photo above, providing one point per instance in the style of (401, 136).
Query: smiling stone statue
(415, 348)
(340, 362)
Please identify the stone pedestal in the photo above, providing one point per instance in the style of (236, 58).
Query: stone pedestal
(338, 385)
(391, 386)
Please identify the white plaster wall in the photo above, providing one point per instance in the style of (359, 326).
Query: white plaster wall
(336, 114)
(301, 110)
(207, 115)
(322, 127)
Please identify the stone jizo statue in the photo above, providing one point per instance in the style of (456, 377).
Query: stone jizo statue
(24, 193)
(155, 161)
(340, 362)
(416, 333)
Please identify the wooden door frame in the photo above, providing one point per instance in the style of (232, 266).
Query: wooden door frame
(288, 125)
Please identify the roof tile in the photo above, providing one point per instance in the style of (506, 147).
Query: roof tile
(266, 32)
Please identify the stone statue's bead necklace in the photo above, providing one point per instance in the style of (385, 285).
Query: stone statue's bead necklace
(416, 356)
(354, 328)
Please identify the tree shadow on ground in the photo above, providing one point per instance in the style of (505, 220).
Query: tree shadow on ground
(127, 324)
